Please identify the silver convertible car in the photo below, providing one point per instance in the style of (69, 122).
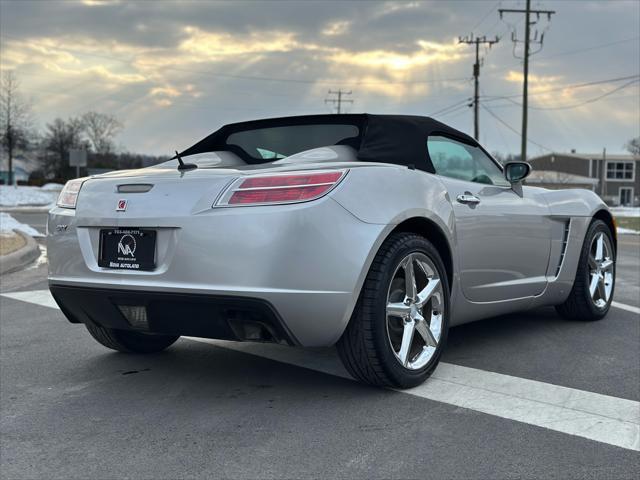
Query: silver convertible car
(376, 233)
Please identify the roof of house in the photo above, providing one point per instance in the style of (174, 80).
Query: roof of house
(560, 178)
(591, 156)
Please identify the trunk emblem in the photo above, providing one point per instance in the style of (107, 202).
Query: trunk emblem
(122, 206)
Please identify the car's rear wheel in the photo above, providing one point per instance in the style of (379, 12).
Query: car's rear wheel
(592, 292)
(399, 327)
(128, 341)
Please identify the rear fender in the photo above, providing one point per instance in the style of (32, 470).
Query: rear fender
(402, 199)
(578, 207)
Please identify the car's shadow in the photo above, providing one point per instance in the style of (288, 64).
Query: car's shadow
(506, 330)
(517, 344)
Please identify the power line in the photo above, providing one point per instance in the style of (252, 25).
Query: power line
(486, 15)
(502, 137)
(527, 42)
(457, 114)
(513, 104)
(588, 49)
(453, 105)
(460, 108)
(513, 129)
(568, 52)
(580, 104)
(338, 100)
(565, 87)
(476, 75)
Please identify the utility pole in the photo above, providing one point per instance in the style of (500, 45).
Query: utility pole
(527, 42)
(476, 74)
(338, 101)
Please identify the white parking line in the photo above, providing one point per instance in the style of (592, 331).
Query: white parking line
(602, 418)
(598, 417)
(628, 308)
(38, 297)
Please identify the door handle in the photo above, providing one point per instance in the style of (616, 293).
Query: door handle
(468, 199)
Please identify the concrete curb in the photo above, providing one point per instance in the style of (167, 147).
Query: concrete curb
(20, 258)
(27, 209)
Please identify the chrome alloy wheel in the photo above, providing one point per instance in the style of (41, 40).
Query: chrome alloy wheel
(601, 270)
(415, 303)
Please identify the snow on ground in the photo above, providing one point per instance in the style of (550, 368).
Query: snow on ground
(625, 211)
(8, 224)
(21, 196)
(53, 187)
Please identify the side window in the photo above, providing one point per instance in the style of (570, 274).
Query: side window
(465, 162)
(268, 154)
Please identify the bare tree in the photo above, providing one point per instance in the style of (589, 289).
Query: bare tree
(633, 146)
(15, 119)
(60, 137)
(100, 129)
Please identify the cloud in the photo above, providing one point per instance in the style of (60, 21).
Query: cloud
(165, 91)
(336, 28)
(67, 58)
(100, 3)
(209, 63)
(213, 45)
(425, 54)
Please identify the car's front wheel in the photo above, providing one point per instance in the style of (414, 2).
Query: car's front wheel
(399, 327)
(592, 292)
(129, 341)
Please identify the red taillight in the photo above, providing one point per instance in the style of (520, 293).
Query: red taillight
(290, 188)
(69, 195)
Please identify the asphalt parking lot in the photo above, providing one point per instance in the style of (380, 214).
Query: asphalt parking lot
(520, 396)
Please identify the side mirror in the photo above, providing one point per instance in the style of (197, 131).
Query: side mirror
(515, 172)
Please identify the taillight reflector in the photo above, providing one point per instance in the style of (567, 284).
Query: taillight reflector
(69, 195)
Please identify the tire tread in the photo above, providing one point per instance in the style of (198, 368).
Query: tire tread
(578, 306)
(129, 342)
(357, 347)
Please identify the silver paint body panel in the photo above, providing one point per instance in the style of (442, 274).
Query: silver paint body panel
(309, 260)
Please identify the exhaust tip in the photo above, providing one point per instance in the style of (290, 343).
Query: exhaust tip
(136, 315)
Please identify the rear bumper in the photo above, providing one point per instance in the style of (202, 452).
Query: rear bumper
(307, 261)
(208, 316)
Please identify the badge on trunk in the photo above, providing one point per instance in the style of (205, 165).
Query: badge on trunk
(122, 206)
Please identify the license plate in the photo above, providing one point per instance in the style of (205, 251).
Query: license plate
(128, 249)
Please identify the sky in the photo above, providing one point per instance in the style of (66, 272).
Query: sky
(172, 72)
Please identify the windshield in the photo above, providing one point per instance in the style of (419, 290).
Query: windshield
(278, 142)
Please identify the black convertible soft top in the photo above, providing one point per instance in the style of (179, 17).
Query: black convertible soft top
(396, 139)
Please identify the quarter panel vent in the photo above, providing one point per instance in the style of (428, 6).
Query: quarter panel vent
(565, 243)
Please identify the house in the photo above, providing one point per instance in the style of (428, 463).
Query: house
(558, 180)
(617, 177)
(22, 168)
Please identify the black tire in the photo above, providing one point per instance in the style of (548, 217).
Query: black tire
(579, 305)
(364, 347)
(128, 341)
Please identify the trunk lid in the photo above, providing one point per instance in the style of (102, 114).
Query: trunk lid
(166, 192)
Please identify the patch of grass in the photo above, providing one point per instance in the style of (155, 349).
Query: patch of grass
(629, 222)
(10, 243)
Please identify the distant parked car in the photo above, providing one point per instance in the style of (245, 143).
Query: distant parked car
(376, 233)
